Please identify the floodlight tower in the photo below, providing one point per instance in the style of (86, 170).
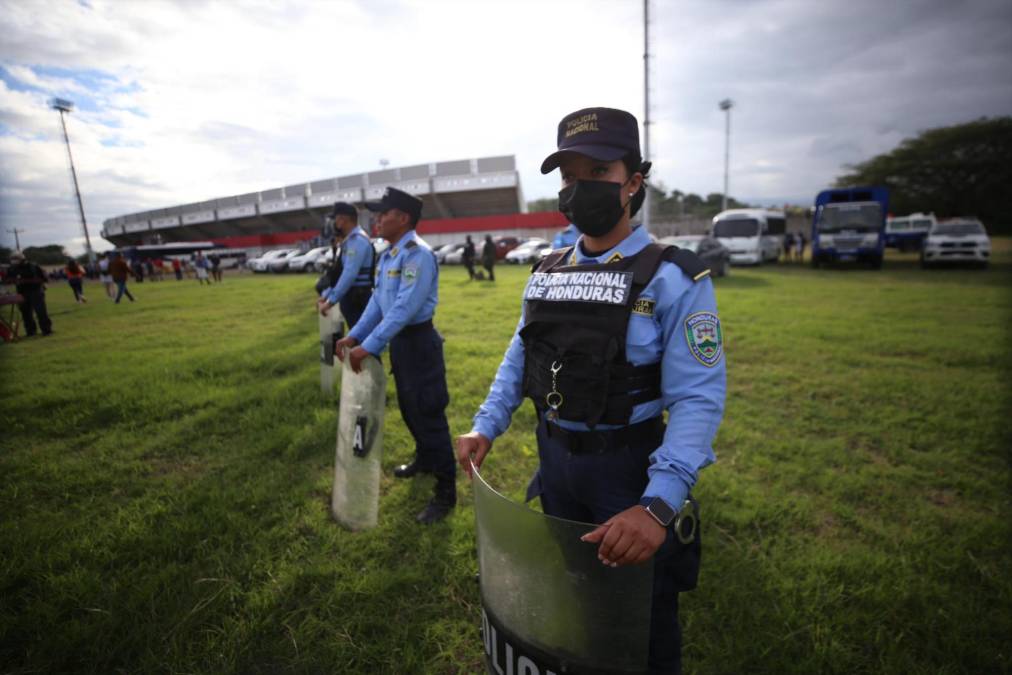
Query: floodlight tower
(726, 106)
(65, 106)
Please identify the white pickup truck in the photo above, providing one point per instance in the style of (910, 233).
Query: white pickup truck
(956, 240)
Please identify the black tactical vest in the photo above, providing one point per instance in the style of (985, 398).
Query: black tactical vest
(576, 321)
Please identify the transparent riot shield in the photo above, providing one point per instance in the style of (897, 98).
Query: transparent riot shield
(355, 499)
(548, 604)
(331, 330)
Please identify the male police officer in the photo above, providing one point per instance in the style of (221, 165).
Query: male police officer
(614, 331)
(354, 287)
(400, 313)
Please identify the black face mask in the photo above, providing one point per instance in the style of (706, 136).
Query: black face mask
(594, 206)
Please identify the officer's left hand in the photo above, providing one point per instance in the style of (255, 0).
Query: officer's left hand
(356, 356)
(324, 306)
(627, 538)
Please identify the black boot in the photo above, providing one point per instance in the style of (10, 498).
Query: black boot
(442, 501)
(409, 470)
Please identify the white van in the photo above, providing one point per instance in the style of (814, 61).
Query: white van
(907, 232)
(753, 236)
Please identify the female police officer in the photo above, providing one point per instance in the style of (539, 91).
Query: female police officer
(614, 331)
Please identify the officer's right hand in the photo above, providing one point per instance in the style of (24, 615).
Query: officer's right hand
(342, 344)
(472, 447)
(324, 307)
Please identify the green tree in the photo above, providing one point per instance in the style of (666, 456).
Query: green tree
(51, 254)
(961, 170)
(543, 204)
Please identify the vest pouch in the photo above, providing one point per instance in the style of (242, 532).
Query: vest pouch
(583, 381)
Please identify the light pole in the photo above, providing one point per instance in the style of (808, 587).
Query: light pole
(17, 241)
(726, 106)
(65, 106)
(646, 106)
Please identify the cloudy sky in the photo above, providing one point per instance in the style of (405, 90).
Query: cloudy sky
(180, 102)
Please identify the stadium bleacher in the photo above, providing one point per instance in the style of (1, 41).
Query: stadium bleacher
(457, 197)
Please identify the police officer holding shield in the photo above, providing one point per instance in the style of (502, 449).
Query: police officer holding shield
(400, 314)
(354, 286)
(614, 331)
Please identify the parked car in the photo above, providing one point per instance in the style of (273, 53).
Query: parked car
(714, 254)
(446, 250)
(280, 264)
(260, 264)
(324, 261)
(307, 261)
(456, 257)
(503, 245)
(957, 240)
(528, 252)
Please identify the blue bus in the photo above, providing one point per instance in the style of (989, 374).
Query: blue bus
(849, 226)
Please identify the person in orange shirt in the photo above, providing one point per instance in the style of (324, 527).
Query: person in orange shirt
(75, 277)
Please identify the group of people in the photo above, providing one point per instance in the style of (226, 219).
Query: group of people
(114, 273)
(488, 258)
(615, 330)
(797, 242)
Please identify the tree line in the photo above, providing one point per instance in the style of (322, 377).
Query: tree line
(959, 170)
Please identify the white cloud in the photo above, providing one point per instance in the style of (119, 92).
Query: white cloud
(183, 102)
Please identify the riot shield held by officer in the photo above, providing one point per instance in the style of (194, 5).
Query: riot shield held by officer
(399, 316)
(615, 331)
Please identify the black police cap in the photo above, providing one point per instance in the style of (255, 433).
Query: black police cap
(397, 199)
(606, 134)
(343, 209)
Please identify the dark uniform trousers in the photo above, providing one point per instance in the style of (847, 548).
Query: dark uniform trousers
(416, 359)
(353, 304)
(592, 485)
(35, 303)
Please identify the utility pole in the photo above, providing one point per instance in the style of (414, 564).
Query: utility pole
(17, 242)
(646, 106)
(726, 106)
(64, 106)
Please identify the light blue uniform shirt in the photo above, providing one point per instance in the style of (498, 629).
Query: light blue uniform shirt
(406, 293)
(566, 237)
(691, 391)
(356, 252)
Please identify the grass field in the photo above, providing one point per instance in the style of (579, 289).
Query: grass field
(166, 471)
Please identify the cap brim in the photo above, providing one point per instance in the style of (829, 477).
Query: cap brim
(376, 207)
(605, 153)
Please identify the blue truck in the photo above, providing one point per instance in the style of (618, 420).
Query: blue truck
(849, 226)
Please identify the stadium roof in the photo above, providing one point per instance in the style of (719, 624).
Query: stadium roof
(485, 186)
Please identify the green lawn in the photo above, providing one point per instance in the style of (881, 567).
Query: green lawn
(166, 471)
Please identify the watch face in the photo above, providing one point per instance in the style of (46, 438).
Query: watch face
(664, 513)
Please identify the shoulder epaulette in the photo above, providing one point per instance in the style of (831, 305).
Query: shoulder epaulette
(688, 261)
(552, 259)
(411, 244)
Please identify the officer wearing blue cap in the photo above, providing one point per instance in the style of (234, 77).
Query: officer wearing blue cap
(614, 331)
(400, 315)
(357, 260)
